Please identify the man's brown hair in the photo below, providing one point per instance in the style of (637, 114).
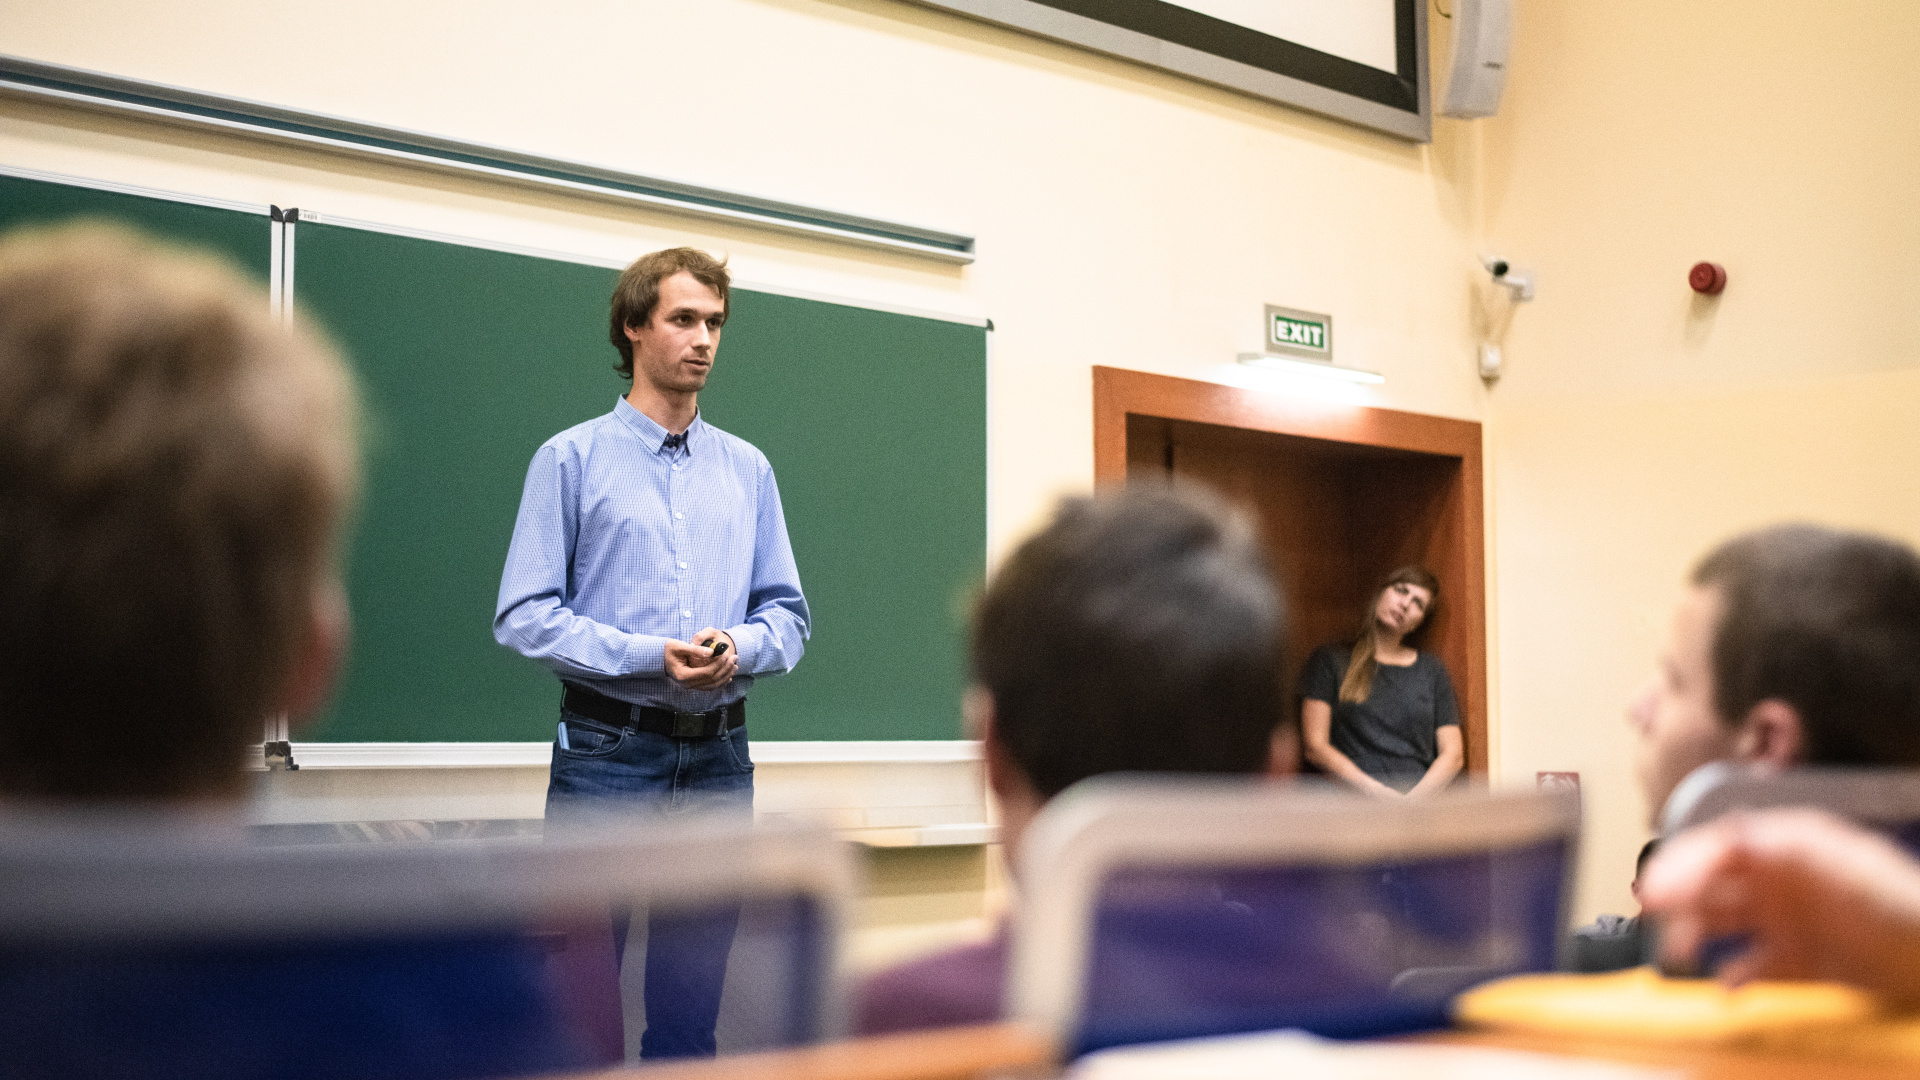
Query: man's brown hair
(639, 290)
(1141, 631)
(1827, 621)
(173, 467)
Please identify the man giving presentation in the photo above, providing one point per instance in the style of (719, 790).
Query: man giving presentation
(650, 570)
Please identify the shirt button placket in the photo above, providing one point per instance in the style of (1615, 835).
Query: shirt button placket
(676, 502)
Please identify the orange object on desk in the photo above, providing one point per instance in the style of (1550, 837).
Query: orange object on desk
(1810, 1019)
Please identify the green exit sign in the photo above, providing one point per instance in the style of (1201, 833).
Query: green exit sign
(1299, 333)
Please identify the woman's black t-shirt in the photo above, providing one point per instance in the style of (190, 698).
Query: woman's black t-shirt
(1390, 736)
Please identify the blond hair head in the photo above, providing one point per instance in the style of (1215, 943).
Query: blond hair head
(174, 466)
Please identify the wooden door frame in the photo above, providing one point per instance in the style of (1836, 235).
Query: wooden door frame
(1119, 393)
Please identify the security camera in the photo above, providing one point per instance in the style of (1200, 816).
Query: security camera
(1518, 280)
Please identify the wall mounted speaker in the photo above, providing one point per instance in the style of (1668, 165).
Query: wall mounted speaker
(1482, 32)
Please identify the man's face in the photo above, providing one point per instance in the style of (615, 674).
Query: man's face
(1674, 714)
(674, 351)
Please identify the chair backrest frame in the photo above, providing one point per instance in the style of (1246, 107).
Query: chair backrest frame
(1107, 823)
(109, 879)
(1870, 796)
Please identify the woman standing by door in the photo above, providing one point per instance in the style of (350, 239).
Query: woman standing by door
(1377, 713)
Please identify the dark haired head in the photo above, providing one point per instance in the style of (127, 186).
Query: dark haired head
(1141, 631)
(1828, 622)
(1647, 851)
(638, 291)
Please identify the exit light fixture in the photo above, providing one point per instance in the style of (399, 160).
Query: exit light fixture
(1320, 368)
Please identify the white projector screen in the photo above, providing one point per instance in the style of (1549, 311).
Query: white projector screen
(1357, 30)
(1363, 61)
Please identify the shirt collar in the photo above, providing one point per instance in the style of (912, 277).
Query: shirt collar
(652, 434)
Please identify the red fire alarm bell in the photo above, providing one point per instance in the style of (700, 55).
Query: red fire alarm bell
(1707, 278)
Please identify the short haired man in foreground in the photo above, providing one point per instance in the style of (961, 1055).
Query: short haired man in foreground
(174, 467)
(1140, 631)
(1796, 645)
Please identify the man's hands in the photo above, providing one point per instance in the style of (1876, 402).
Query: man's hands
(696, 667)
(1820, 899)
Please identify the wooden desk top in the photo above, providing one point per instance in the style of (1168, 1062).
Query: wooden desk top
(964, 1053)
(1700, 1063)
(1001, 1051)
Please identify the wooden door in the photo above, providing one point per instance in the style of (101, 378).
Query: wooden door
(1343, 494)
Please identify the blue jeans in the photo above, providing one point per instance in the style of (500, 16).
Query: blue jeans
(610, 771)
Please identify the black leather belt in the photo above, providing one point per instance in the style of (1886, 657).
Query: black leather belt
(679, 725)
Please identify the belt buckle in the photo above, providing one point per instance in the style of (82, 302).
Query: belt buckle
(689, 725)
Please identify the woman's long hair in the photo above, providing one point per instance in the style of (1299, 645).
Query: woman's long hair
(1357, 684)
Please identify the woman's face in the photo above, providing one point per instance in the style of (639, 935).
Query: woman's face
(1401, 607)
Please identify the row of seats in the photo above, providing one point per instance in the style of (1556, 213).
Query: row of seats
(1151, 908)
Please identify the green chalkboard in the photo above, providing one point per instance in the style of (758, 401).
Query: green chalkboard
(877, 429)
(239, 236)
(470, 359)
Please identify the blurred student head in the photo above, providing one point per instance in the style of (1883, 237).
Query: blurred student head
(1793, 645)
(1140, 631)
(174, 464)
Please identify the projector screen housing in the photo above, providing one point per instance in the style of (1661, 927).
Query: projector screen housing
(1204, 40)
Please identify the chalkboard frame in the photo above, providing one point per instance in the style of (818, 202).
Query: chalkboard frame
(890, 468)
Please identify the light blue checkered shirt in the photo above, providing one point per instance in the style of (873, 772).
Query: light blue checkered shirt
(622, 543)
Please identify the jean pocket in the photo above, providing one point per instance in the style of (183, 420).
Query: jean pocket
(736, 740)
(586, 739)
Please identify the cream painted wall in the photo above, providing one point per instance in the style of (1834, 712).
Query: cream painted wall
(1637, 425)
(1137, 219)
(1124, 217)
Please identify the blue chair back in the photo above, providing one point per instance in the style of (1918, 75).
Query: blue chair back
(1884, 799)
(161, 948)
(1158, 910)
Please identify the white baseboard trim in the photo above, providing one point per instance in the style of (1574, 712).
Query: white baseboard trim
(925, 835)
(483, 755)
(929, 793)
(382, 755)
(878, 751)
